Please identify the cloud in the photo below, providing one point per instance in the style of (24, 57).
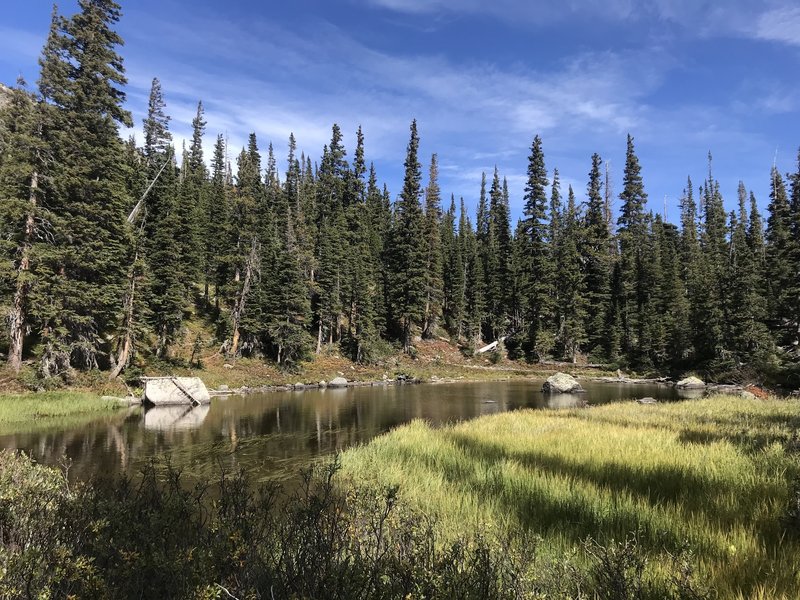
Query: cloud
(780, 25)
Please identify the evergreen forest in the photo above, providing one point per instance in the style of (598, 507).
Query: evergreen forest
(108, 243)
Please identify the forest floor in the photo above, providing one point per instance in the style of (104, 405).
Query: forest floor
(711, 482)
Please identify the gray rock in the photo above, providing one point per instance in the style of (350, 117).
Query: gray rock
(337, 382)
(224, 388)
(691, 382)
(299, 386)
(323, 384)
(748, 395)
(647, 400)
(175, 390)
(562, 383)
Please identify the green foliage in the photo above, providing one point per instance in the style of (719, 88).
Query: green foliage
(685, 478)
(160, 536)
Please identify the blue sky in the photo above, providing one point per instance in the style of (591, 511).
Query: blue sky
(482, 78)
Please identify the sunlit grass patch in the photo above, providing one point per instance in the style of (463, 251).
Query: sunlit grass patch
(21, 412)
(712, 476)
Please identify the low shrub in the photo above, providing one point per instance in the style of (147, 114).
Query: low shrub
(157, 536)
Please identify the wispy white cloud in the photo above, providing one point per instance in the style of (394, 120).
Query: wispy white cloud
(780, 24)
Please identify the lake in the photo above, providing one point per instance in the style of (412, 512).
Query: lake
(272, 435)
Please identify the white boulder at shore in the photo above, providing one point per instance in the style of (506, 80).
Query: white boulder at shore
(562, 383)
(691, 382)
(337, 382)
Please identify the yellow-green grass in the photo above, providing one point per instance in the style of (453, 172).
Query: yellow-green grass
(26, 412)
(713, 475)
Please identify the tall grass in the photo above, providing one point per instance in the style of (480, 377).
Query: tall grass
(24, 412)
(711, 478)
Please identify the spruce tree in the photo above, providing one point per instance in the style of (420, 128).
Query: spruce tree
(331, 191)
(497, 253)
(747, 336)
(22, 178)
(792, 324)
(711, 341)
(453, 273)
(538, 292)
(570, 307)
(433, 252)
(409, 248)
(218, 252)
(632, 233)
(780, 270)
(473, 295)
(81, 79)
(597, 265)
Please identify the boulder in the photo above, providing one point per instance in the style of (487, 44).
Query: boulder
(562, 383)
(299, 385)
(224, 388)
(337, 382)
(162, 391)
(647, 400)
(691, 382)
(323, 384)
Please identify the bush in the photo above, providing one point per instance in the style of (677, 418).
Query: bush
(157, 536)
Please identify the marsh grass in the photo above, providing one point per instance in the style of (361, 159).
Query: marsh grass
(26, 412)
(712, 478)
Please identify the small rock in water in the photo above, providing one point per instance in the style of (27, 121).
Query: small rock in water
(323, 384)
(224, 388)
(647, 400)
(299, 385)
(562, 383)
(337, 382)
(691, 382)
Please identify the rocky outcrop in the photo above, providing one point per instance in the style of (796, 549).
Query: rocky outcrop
(562, 383)
(691, 383)
(337, 382)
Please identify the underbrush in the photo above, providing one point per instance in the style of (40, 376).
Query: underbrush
(155, 537)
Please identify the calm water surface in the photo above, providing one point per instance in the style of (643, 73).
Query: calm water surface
(274, 434)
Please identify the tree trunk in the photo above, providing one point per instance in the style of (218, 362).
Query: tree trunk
(18, 315)
(238, 309)
(126, 347)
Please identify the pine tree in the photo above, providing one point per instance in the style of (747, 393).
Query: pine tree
(218, 252)
(194, 209)
(409, 248)
(22, 168)
(597, 266)
(710, 344)
(747, 335)
(497, 253)
(331, 190)
(473, 294)
(632, 233)
(792, 325)
(691, 271)
(453, 273)
(80, 81)
(780, 269)
(570, 308)
(433, 253)
(379, 211)
(538, 292)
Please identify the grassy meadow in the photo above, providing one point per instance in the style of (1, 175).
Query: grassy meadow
(711, 481)
(25, 412)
